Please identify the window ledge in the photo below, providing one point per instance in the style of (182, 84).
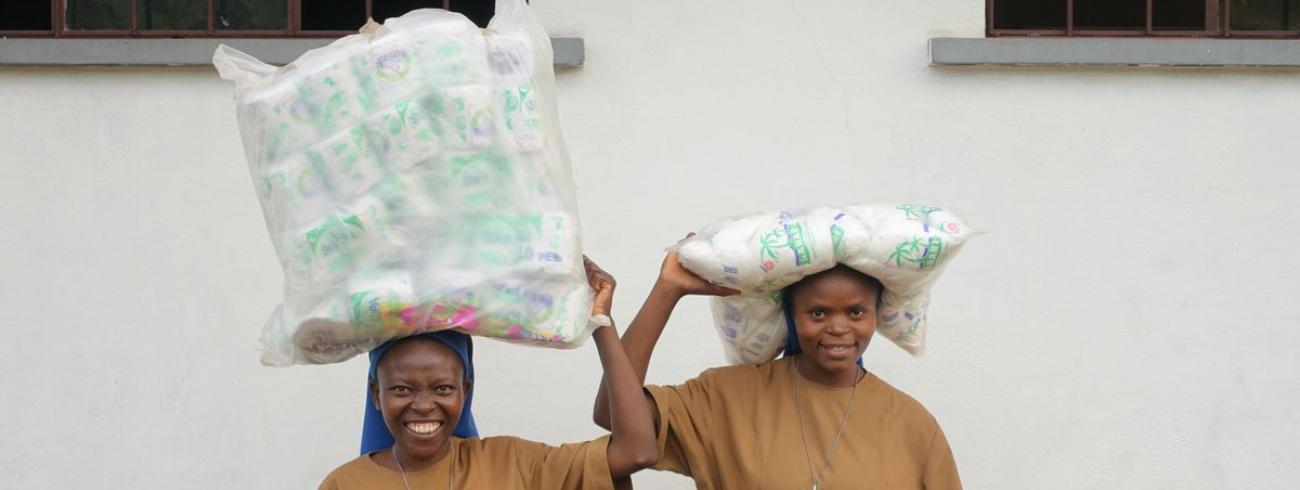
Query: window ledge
(1114, 52)
(569, 51)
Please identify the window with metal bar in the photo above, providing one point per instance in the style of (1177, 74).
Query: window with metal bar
(212, 18)
(1144, 18)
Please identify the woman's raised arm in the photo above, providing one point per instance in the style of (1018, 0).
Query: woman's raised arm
(632, 435)
(674, 283)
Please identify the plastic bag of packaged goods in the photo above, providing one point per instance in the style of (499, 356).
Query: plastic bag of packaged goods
(413, 178)
(904, 246)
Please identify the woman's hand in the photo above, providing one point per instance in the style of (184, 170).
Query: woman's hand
(676, 279)
(603, 284)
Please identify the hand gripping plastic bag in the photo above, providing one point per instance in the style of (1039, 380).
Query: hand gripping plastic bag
(413, 178)
(906, 247)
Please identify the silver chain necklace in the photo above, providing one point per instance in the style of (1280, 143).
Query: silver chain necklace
(798, 407)
(451, 476)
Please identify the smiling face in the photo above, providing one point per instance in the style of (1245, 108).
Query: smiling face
(834, 316)
(420, 390)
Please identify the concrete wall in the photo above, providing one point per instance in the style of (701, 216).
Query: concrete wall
(1128, 322)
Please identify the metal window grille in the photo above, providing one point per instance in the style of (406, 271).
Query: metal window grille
(1143, 18)
(59, 25)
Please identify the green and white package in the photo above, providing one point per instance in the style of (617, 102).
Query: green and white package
(905, 246)
(414, 178)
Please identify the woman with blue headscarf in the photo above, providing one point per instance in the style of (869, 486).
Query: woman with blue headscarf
(419, 431)
(815, 418)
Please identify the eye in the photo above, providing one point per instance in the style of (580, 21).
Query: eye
(444, 390)
(817, 314)
(400, 389)
(857, 312)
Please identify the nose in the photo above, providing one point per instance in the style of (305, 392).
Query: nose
(838, 328)
(423, 402)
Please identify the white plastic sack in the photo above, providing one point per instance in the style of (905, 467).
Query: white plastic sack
(904, 246)
(413, 178)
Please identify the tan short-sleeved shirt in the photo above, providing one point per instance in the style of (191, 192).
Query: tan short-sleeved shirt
(737, 427)
(494, 462)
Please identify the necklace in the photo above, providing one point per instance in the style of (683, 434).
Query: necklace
(798, 408)
(451, 476)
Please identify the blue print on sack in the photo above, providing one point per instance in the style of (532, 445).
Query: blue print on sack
(393, 66)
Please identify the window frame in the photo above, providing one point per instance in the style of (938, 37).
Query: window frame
(1217, 26)
(58, 26)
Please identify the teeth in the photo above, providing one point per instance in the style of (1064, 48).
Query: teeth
(424, 428)
(836, 348)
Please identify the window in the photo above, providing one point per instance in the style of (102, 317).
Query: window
(1158, 18)
(212, 18)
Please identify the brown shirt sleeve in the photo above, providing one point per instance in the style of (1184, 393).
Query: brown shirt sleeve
(686, 413)
(361, 472)
(940, 467)
(580, 465)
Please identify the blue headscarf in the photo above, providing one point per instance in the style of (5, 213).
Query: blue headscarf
(791, 335)
(375, 435)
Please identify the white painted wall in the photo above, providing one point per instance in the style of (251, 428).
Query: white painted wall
(1129, 322)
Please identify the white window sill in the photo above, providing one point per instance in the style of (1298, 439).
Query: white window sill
(1114, 52)
(188, 52)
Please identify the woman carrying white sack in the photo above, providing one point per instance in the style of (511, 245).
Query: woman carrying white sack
(814, 418)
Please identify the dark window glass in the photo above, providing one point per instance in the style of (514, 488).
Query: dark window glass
(333, 15)
(1110, 14)
(1178, 15)
(250, 15)
(172, 15)
(25, 15)
(1029, 14)
(479, 11)
(1166, 17)
(98, 14)
(1265, 15)
(383, 9)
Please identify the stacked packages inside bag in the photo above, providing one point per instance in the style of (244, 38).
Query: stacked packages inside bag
(906, 247)
(413, 178)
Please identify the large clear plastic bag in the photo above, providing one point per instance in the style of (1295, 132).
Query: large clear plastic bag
(413, 178)
(905, 246)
